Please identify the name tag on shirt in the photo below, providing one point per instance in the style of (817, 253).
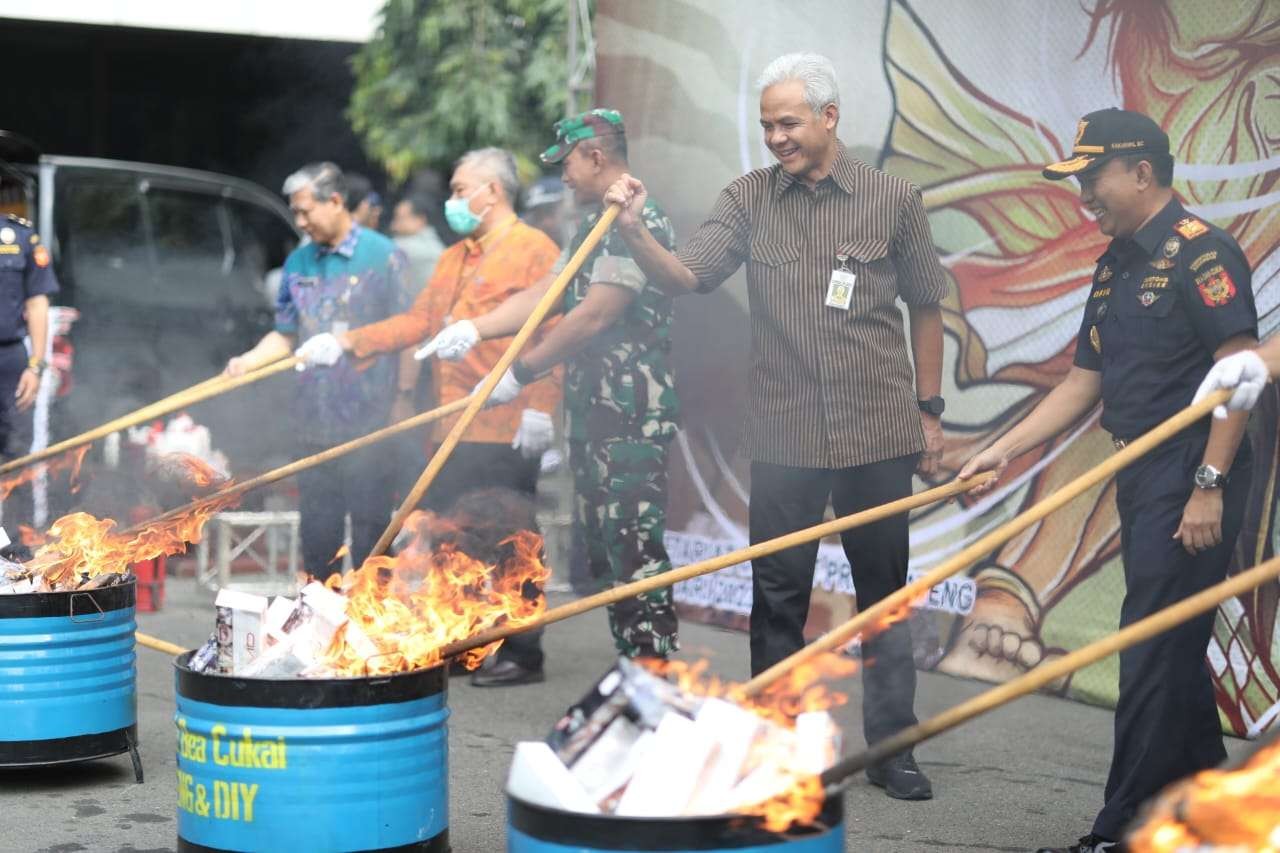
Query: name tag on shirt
(840, 289)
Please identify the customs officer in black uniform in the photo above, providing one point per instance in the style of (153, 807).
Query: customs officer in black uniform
(26, 282)
(1171, 293)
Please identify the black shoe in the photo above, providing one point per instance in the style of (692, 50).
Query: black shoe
(1089, 844)
(506, 673)
(901, 778)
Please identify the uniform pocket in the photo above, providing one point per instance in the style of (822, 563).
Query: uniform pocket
(774, 254)
(867, 251)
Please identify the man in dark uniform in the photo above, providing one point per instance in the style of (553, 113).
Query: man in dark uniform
(26, 282)
(1171, 294)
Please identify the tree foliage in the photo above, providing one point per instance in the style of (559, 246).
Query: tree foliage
(443, 76)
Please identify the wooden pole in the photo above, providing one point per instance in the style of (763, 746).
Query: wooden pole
(310, 461)
(1143, 629)
(885, 610)
(715, 564)
(197, 393)
(478, 398)
(158, 644)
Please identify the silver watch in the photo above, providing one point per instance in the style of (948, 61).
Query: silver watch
(1208, 477)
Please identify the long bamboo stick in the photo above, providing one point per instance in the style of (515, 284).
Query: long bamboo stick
(715, 564)
(478, 398)
(884, 610)
(311, 461)
(158, 644)
(188, 397)
(1045, 673)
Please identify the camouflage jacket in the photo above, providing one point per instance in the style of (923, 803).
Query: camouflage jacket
(620, 385)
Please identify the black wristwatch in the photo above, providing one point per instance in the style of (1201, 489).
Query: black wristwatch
(1208, 477)
(522, 374)
(933, 406)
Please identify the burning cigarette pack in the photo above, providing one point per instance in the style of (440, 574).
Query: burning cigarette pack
(19, 578)
(638, 745)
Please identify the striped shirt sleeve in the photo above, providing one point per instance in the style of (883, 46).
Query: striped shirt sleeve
(921, 279)
(720, 245)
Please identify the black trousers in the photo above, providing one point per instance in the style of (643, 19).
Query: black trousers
(13, 360)
(480, 465)
(1166, 722)
(356, 484)
(785, 499)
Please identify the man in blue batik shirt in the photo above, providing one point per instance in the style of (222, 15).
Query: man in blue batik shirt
(346, 276)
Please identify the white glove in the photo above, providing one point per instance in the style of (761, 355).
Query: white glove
(1244, 371)
(452, 344)
(505, 391)
(534, 435)
(322, 350)
(551, 461)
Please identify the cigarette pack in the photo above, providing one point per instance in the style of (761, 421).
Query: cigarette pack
(278, 614)
(668, 772)
(205, 658)
(538, 777)
(247, 614)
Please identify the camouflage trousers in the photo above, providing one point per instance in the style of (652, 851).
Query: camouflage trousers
(621, 503)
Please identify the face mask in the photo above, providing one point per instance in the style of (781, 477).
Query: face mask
(457, 212)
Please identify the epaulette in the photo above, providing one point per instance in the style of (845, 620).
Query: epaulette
(25, 223)
(1190, 227)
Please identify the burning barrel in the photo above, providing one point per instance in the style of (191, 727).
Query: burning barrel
(333, 764)
(539, 829)
(68, 676)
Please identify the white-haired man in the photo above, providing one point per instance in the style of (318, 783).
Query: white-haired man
(837, 413)
(498, 257)
(346, 276)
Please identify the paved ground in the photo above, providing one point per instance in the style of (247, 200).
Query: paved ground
(1028, 774)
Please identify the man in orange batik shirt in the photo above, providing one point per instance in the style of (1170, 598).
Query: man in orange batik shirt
(498, 257)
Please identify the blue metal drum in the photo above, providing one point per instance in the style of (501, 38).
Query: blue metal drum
(312, 765)
(68, 676)
(538, 829)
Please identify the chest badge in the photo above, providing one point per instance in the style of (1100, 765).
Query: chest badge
(1148, 298)
(1162, 264)
(1095, 339)
(1102, 311)
(7, 235)
(1104, 274)
(1171, 247)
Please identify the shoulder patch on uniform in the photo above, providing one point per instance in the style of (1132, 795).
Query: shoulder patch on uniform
(1190, 227)
(1201, 260)
(1216, 286)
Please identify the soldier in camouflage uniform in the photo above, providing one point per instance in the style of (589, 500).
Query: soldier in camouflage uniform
(619, 392)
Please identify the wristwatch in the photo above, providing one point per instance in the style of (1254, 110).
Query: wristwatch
(933, 406)
(522, 374)
(1208, 477)
(36, 364)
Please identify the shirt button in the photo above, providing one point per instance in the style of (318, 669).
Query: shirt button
(1124, 275)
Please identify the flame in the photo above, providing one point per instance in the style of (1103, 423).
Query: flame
(800, 691)
(190, 469)
(72, 460)
(1218, 809)
(342, 552)
(457, 596)
(79, 546)
(31, 537)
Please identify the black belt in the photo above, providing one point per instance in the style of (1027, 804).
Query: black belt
(11, 343)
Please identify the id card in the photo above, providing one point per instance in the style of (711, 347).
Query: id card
(840, 289)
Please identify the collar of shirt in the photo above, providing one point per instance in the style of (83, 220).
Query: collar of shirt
(346, 248)
(841, 174)
(1149, 237)
(477, 245)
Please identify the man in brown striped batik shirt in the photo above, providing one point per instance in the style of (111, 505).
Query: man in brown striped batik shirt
(837, 413)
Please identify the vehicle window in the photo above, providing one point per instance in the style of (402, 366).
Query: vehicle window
(102, 243)
(193, 258)
(262, 240)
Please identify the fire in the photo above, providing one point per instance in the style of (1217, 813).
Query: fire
(186, 468)
(1218, 809)
(72, 460)
(31, 537)
(800, 691)
(341, 552)
(410, 621)
(79, 545)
